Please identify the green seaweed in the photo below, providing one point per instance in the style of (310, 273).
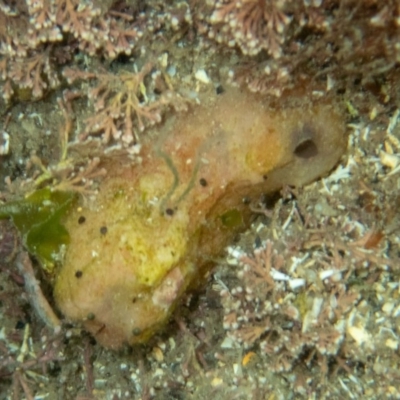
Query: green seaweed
(38, 219)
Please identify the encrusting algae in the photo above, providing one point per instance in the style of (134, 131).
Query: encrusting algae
(156, 228)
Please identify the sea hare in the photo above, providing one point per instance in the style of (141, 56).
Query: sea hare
(157, 227)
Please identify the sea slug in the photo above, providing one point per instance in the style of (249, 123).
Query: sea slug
(157, 227)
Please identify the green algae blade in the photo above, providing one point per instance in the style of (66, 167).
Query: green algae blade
(38, 218)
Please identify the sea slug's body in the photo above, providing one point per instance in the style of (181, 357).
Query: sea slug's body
(157, 227)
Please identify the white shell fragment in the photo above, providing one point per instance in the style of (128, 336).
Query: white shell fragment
(330, 273)
(360, 335)
(392, 344)
(296, 283)
(389, 160)
(201, 75)
(388, 307)
(4, 143)
(279, 276)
